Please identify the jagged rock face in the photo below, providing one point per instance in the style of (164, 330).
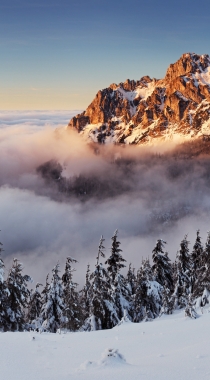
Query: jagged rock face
(137, 112)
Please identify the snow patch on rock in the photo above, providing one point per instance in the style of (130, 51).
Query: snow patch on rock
(203, 77)
(141, 91)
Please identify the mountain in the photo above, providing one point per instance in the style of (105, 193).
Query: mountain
(150, 110)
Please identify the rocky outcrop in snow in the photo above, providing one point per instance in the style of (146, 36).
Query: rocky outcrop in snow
(140, 112)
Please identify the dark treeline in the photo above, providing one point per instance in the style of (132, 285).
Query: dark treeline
(121, 168)
(108, 297)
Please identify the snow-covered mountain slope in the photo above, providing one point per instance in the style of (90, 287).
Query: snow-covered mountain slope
(171, 347)
(150, 110)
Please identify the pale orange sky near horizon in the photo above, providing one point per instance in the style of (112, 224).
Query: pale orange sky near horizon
(43, 99)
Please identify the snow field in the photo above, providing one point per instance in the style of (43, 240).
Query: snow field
(171, 347)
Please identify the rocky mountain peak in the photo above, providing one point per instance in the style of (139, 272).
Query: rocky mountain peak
(146, 110)
(189, 63)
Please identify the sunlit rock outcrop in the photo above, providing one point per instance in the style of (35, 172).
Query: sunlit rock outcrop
(150, 110)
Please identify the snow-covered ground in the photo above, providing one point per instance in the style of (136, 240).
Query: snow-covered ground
(171, 347)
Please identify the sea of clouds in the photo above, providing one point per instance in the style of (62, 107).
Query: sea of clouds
(159, 195)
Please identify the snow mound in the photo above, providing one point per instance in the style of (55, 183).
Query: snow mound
(111, 357)
(86, 365)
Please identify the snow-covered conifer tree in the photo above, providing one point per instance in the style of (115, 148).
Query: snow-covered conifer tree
(162, 268)
(147, 297)
(3, 296)
(18, 296)
(120, 291)
(167, 302)
(115, 261)
(73, 310)
(207, 250)
(45, 290)
(52, 309)
(182, 275)
(202, 281)
(131, 279)
(196, 260)
(34, 308)
(102, 312)
(85, 297)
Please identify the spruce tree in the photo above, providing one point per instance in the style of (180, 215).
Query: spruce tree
(3, 296)
(102, 312)
(162, 268)
(98, 290)
(86, 295)
(53, 308)
(120, 291)
(115, 261)
(18, 296)
(138, 312)
(202, 288)
(147, 297)
(183, 256)
(202, 281)
(34, 308)
(196, 260)
(131, 279)
(167, 302)
(73, 310)
(182, 275)
(207, 250)
(45, 290)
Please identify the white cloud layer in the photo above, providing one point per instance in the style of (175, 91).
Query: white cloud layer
(153, 197)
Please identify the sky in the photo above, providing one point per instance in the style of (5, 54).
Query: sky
(58, 54)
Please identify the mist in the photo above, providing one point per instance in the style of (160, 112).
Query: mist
(47, 215)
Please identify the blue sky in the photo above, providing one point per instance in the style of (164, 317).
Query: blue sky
(58, 54)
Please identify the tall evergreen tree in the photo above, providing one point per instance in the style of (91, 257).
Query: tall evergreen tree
(206, 257)
(18, 296)
(102, 313)
(34, 308)
(115, 261)
(131, 279)
(86, 296)
(202, 281)
(73, 310)
(120, 291)
(52, 309)
(162, 268)
(202, 286)
(3, 296)
(98, 290)
(147, 297)
(45, 290)
(182, 275)
(196, 260)
(167, 302)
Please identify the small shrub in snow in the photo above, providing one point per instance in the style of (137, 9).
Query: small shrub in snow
(190, 308)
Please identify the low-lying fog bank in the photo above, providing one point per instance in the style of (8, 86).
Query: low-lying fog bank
(50, 211)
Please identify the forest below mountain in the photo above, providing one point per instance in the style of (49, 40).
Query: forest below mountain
(108, 297)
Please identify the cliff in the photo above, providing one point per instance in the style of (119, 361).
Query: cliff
(146, 110)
